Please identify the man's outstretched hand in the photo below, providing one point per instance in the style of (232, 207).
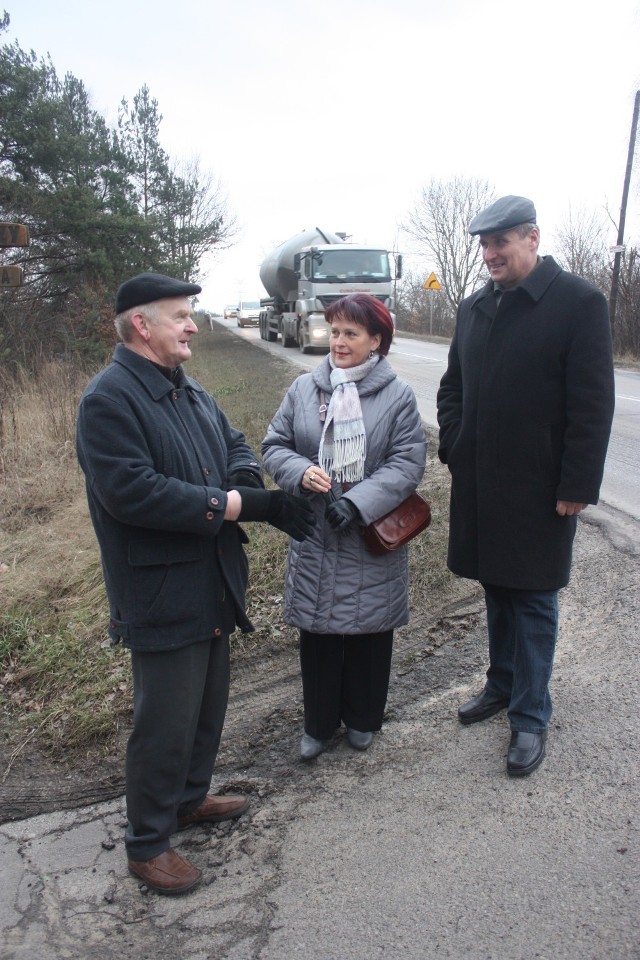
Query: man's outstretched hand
(292, 515)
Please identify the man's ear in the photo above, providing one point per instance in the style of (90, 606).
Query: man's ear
(141, 325)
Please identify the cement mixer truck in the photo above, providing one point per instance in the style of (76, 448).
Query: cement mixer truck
(308, 272)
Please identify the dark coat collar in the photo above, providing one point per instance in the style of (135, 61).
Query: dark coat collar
(535, 285)
(150, 376)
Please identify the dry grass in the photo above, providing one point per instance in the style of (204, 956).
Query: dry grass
(59, 681)
(627, 362)
(38, 470)
(63, 685)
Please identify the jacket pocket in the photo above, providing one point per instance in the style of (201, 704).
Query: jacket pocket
(167, 580)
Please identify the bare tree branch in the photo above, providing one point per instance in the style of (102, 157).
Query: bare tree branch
(439, 224)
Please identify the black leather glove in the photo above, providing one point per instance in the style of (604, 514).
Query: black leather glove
(340, 514)
(293, 515)
(243, 478)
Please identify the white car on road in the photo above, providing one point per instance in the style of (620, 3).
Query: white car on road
(248, 313)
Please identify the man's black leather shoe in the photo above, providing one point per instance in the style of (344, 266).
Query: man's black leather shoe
(481, 707)
(526, 752)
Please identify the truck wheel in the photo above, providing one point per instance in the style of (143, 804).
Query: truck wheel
(272, 335)
(301, 342)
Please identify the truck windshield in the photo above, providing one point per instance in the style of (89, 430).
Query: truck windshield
(340, 264)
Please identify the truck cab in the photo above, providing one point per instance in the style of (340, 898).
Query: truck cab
(327, 273)
(310, 271)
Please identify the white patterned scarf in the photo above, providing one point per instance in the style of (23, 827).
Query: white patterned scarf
(343, 444)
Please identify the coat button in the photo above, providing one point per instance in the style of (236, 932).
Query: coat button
(217, 632)
(214, 502)
(205, 470)
(209, 515)
(174, 395)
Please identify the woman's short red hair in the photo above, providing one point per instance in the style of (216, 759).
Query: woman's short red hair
(367, 311)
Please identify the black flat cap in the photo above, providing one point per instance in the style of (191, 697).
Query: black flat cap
(147, 287)
(504, 214)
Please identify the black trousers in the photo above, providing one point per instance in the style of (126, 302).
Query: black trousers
(179, 705)
(344, 678)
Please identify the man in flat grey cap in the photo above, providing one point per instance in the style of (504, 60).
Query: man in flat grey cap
(525, 410)
(167, 479)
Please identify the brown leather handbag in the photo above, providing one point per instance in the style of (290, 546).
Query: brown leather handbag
(400, 525)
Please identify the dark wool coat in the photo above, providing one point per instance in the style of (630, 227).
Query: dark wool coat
(156, 456)
(525, 410)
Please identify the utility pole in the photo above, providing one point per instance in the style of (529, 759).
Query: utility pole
(619, 248)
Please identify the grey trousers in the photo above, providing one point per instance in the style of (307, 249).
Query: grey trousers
(179, 705)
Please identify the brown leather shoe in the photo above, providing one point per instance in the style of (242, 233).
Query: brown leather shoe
(168, 873)
(214, 809)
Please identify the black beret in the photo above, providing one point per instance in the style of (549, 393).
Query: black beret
(147, 287)
(504, 214)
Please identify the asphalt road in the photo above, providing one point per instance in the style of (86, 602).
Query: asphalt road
(422, 363)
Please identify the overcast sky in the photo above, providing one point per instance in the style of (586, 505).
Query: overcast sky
(336, 113)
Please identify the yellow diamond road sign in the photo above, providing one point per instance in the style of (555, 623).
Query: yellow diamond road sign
(432, 283)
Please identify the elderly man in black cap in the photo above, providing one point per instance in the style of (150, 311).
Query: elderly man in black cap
(525, 410)
(167, 479)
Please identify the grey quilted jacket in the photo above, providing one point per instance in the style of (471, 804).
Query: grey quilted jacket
(333, 583)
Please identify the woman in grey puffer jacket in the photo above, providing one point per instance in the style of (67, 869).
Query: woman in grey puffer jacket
(349, 435)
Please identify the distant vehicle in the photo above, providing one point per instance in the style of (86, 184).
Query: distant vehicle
(248, 313)
(230, 312)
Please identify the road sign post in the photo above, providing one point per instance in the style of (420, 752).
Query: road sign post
(433, 284)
